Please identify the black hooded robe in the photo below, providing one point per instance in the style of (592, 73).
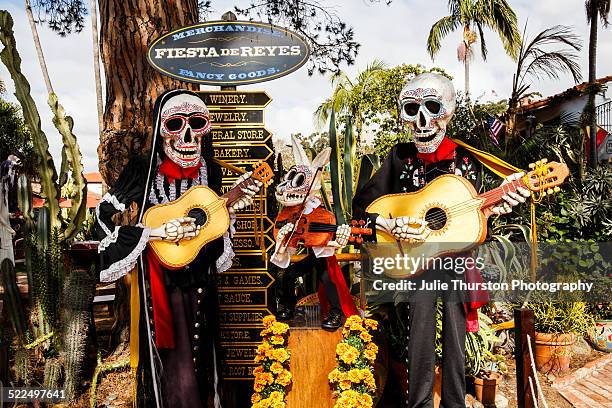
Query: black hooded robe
(187, 375)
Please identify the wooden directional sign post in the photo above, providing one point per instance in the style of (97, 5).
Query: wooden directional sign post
(245, 295)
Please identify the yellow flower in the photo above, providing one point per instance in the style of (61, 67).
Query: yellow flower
(255, 398)
(284, 378)
(352, 320)
(365, 336)
(350, 356)
(345, 384)
(277, 339)
(341, 348)
(373, 347)
(258, 387)
(258, 370)
(276, 396)
(280, 355)
(370, 355)
(371, 324)
(269, 320)
(280, 328)
(279, 404)
(357, 327)
(364, 400)
(354, 375)
(276, 367)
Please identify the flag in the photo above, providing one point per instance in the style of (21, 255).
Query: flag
(496, 127)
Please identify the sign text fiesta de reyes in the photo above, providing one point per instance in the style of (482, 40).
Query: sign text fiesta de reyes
(228, 53)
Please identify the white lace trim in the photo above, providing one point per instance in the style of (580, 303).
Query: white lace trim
(224, 262)
(109, 198)
(109, 239)
(123, 266)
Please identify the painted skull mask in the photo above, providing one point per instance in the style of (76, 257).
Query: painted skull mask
(296, 184)
(185, 120)
(427, 103)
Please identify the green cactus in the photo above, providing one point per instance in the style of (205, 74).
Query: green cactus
(53, 373)
(12, 300)
(345, 170)
(45, 167)
(23, 366)
(78, 295)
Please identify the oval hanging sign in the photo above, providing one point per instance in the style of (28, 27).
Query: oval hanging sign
(228, 53)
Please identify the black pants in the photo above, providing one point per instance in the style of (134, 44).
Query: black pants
(286, 286)
(421, 348)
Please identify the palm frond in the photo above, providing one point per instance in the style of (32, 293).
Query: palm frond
(602, 9)
(438, 31)
(499, 17)
(483, 43)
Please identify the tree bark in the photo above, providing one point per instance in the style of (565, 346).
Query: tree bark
(127, 27)
(592, 78)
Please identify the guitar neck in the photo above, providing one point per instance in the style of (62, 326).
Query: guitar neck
(494, 196)
(236, 193)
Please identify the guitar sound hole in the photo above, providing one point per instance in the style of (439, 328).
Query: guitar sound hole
(436, 217)
(199, 215)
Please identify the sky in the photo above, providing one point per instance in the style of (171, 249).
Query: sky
(395, 34)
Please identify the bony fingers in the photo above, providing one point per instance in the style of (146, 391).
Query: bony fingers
(524, 192)
(510, 200)
(518, 197)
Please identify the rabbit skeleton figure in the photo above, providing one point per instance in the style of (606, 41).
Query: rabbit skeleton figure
(298, 193)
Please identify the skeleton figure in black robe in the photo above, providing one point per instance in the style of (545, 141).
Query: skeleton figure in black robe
(178, 357)
(427, 103)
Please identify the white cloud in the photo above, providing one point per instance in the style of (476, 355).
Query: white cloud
(396, 34)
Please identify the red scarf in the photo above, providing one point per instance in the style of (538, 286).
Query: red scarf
(173, 171)
(445, 151)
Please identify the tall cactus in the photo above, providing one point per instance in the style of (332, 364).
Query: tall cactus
(45, 167)
(77, 297)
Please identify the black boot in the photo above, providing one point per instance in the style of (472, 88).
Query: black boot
(284, 313)
(333, 321)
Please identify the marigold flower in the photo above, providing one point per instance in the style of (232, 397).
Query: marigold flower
(255, 397)
(279, 328)
(341, 348)
(365, 336)
(345, 384)
(364, 400)
(369, 354)
(371, 324)
(284, 378)
(354, 375)
(276, 396)
(350, 356)
(373, 347)
(276, 367)
(269, 320)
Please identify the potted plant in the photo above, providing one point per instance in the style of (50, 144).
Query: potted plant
(600, 336)
(488, 378)
(557, 324)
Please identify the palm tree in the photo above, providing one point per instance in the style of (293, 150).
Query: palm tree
(476, 14)
(96, 57)
(595, 10)
(348, 96)
(536, 60)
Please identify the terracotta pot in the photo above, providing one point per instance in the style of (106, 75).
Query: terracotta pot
(553, 351)
(486, 388)
(601, 336)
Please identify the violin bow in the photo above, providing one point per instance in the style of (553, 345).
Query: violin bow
(288, 237)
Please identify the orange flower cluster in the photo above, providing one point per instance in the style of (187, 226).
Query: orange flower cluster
(272, 375)
(354, 374)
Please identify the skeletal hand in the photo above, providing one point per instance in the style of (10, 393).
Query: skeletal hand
(249, 192)
(511, 198)
(176, 229)
(343, 233)
(404, 228)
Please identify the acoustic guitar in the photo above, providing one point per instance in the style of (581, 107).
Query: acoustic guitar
(210, 212)
(454, 212)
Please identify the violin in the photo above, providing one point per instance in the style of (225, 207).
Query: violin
(314, 229)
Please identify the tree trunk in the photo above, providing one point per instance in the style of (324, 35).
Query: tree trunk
(466, 65)
(39, 51)
(127, 27)
(592, 77)
(96, 56)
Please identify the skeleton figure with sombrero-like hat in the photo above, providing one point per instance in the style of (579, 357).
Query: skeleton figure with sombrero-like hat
(174, 351)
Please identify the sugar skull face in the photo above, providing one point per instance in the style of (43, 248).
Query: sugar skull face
(297, 183)
(427, 103)
(184, 122)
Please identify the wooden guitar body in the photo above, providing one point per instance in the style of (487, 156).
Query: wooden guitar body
(451, 206)
(199, 202)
